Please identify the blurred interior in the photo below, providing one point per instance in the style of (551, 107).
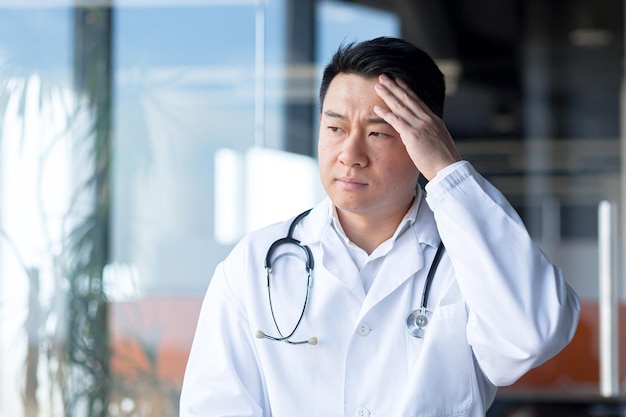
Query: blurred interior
(140, 139)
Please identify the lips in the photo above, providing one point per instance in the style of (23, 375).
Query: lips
(351, 183)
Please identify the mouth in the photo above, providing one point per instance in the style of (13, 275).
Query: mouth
(350, 183)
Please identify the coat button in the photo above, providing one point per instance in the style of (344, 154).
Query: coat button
(362, 412)
(363, 329)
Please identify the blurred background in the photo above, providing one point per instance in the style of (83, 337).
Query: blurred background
(140, 139)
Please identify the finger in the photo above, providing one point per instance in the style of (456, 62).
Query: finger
(398, 102)
(398, 87)
(406, 95)
(395, 120)
(420, 103)
(398, 95)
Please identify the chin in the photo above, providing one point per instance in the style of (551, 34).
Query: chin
(350, 207)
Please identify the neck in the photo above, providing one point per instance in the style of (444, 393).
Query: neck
(367, 232)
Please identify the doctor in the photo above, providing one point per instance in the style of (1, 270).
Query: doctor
(346, 344)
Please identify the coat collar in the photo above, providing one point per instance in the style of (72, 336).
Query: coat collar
(400, 264)
(315, 225)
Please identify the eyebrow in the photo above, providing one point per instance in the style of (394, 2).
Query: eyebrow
(331, 113)
(371, 120)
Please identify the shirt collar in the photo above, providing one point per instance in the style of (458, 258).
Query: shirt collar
(407, 221)
(324, 215)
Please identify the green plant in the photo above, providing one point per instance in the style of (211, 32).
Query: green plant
(70, 345)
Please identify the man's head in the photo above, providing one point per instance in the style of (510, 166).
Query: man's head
(394, 57)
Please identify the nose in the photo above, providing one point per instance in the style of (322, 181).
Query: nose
(353, 151)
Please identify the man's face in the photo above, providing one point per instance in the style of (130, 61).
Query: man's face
(365, 168)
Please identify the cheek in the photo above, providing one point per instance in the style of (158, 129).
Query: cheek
(324, 154)
(405, 171)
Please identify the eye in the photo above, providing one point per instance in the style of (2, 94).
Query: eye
(334, 129)
(379, 134)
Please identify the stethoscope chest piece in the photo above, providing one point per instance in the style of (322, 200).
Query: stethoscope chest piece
(416, 321)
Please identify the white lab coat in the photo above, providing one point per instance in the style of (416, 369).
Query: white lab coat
(499, 308)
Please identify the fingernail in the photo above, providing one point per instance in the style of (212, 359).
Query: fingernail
(384, 77)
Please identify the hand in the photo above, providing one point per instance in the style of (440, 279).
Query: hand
(424, 134)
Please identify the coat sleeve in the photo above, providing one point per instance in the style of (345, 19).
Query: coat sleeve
(222, 377)
(521, 312)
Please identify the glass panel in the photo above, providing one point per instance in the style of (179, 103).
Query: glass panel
(184, 89)
(200, 98)
(179, 96)
(38, 111)
(339, 22)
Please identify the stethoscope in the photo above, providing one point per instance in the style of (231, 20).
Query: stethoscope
(415, 322)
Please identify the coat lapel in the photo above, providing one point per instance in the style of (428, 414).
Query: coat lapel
(336, 260)
(407, 260)
(402, 263)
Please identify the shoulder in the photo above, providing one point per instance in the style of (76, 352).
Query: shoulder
(256, 243)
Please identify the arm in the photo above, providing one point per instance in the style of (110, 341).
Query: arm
(222, 376)
(521, 311)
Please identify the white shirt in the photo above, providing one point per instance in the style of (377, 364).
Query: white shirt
(369, 264)
(499, 308)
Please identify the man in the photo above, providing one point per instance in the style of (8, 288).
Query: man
(493, 308)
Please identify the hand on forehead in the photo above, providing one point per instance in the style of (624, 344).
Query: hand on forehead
(424, 134)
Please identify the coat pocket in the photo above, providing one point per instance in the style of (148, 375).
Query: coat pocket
(442, 379)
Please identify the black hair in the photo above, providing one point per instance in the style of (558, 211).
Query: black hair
(395, 58)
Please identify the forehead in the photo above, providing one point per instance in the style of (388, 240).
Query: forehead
(353, 91)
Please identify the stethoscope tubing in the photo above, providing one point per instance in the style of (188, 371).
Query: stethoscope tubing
(431, 275)
(415, 322)
(309, 264)
(306, 299)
